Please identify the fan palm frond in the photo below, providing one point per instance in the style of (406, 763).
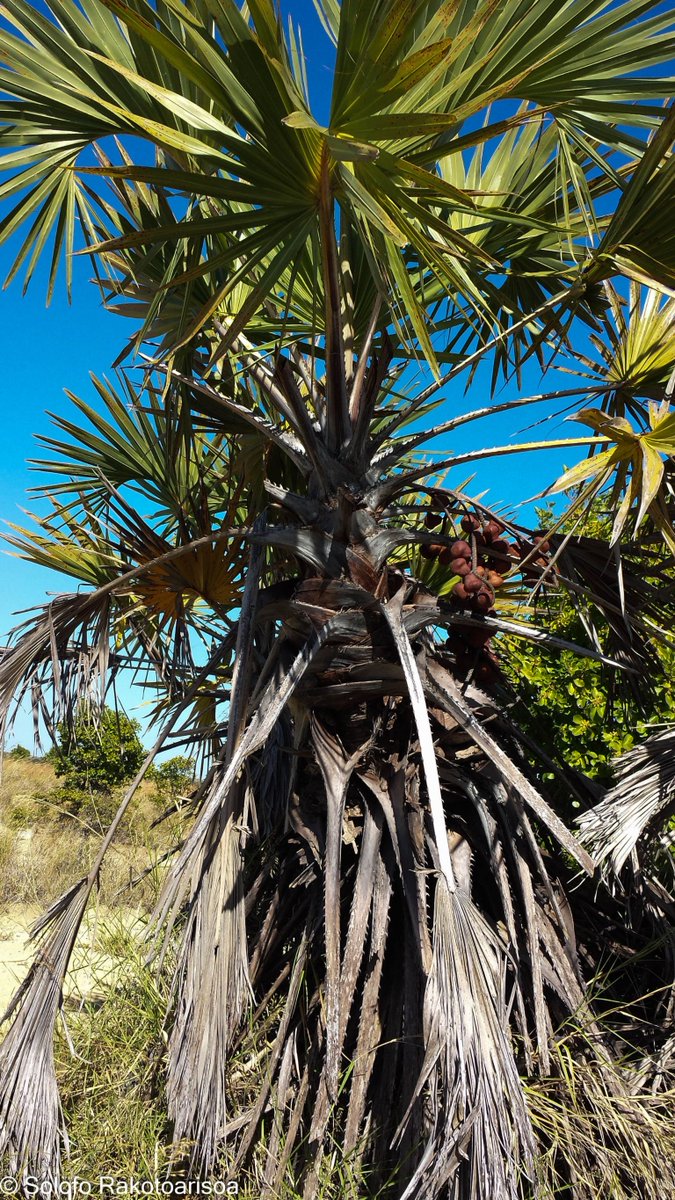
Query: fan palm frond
(622, 826)
(393, 116)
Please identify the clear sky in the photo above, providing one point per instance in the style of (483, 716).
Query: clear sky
(45, 350)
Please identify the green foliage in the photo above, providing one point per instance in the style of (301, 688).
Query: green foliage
(173, 778)
(569, 705)
(97, 753)
(18, 752)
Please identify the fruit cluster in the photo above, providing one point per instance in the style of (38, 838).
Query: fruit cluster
(478, 559)
(482, 556)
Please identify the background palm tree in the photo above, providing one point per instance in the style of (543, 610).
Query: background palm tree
(373, 870)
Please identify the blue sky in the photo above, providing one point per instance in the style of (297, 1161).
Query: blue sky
(45, 350)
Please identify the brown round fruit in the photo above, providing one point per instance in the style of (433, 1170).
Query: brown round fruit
(483, 601)
(432, 520)
(494, 579)
(473, 583)
(459, 592)
(492, 530)
(470, 522)
(460, 549)
(459, 566)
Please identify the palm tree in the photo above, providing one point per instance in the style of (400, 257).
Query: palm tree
(374, 877)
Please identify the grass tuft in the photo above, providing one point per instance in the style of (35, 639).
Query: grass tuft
(111, 1087)
(600, 1136)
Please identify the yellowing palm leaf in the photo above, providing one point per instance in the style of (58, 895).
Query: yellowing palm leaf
(207, 573)
(635, 465)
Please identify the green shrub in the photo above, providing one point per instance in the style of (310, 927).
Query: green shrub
(569, 707)
(569, 704)
(173, 778)
(98, 751)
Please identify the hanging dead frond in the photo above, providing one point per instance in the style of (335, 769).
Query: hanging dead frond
(212, 987)
(60, 658)
(627, 587)
(31, 1125)
(622, 826)
(212, 983)
(31, 1130)
(479, 1122)
(476, 1098)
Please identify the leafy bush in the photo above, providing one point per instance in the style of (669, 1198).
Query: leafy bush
(570, 705)
(18, 752)
(98, 752)
(173, 778)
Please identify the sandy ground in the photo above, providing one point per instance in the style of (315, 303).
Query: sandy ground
(14, 952)
(92, 971)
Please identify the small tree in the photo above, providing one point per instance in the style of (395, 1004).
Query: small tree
(173, 778)
(98, 752)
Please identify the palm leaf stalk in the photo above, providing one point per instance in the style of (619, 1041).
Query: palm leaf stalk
(373, 868)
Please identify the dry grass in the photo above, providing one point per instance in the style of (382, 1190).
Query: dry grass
(37, 865)
(117, 1123)
(112, 1088)
(6, 850)
(45, 845)
(26, 785)
(598, 1134)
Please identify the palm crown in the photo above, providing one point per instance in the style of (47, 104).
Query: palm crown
(491, 176)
